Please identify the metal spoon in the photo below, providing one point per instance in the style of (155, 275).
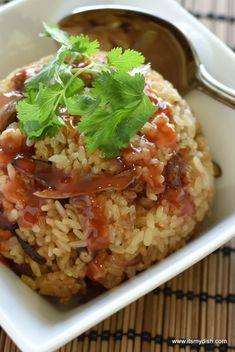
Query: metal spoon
(168, 50)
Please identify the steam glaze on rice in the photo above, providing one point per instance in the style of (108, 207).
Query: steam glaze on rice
(69, 217)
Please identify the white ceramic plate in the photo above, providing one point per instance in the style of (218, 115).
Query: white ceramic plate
(31, 321)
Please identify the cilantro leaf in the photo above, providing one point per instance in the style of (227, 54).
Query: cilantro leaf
(111, 119)
(73, 46)
(45, 75)
(135, 121)
(37, 115)
(83, 45)
(80, 44)
(125, 61)
(75, 84)
(80, 105)
(111, 111)
(49, 72)
(128, 89)
(99, 129)
(55, 33)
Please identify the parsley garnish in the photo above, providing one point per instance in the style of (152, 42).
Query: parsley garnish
(112, 111)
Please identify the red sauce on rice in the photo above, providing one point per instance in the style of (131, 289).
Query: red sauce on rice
(11, 146)
(22, 75)
(95, 221)
(48, 182)
(164, 134)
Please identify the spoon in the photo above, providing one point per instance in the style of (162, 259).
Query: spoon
(168, 50)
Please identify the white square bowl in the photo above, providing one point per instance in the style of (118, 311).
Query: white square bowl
(31, 321)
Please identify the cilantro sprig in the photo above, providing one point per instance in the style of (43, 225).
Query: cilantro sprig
(112, 110)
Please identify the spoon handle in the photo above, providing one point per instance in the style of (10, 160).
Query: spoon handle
(215, 89)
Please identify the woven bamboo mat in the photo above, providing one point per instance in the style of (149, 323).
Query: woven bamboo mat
(197, 304)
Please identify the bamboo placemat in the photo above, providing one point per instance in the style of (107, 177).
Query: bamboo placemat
(198, 304)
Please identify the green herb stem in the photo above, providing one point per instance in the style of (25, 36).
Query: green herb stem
(112, 111)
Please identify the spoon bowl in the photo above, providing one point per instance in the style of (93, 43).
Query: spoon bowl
(165, 46)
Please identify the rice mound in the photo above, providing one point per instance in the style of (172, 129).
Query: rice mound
(143, 226)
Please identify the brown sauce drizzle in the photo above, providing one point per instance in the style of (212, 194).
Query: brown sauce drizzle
(10, 147)
(8, 97)
(22, 75)
(174, 188)
(149, 172)
(8, 100)
(96, 268)
(180, 200)
(152, 175)
(19, 80)
(87, 78)
(95, 221)
(162, 106)
(8, 108)
(175, 172)
(70, 129)
(57, 181)
(20, 188)
(31, 213)
(176, 183)
(5, 235)
(62, 185)
(164, 134)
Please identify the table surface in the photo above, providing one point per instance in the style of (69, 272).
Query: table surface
(197, 304)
